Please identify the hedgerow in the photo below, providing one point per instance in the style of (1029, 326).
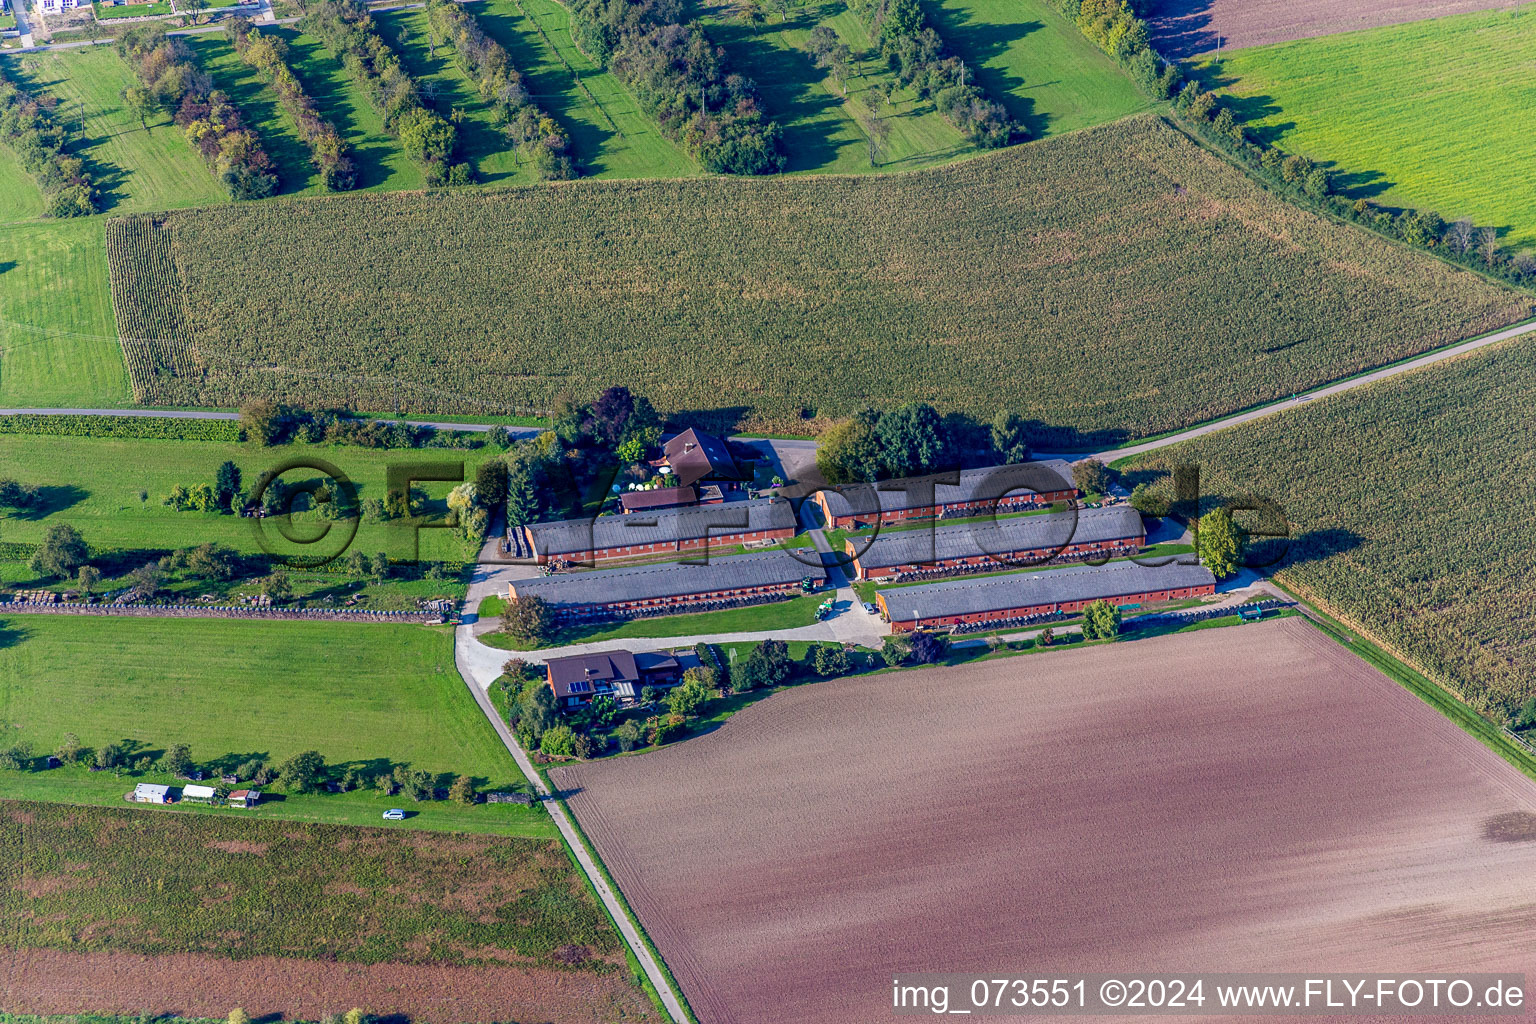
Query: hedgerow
(178, 429)
(489, 66)
(330, 153)
(349, 31)
(681, 79)
(27, 124)
(1407, 507)
(916, 53)
(173, 82)
(1110, 283)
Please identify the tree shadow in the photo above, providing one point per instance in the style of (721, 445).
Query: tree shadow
(11, 635)
(325, 82)
(1182, 28)
(7, 266)
(723, 420)
(260, 110)
(225, 764)
(977, 41)
(51, 498)
(109, 180)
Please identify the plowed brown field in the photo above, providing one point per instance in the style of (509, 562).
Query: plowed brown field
(1184, 28)
(1250, 798)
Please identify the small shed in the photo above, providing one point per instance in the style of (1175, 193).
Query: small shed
(148, 793)
(202, 794)
(245, 798)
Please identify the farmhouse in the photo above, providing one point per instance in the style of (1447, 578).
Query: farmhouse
(149, 793)
(664, 530)
(621, 675)
(670, 587)
(997, 543)
(983, 491)
(1027, 595)
(693, 456)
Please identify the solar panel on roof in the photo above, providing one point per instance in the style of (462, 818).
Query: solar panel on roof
(579, 686)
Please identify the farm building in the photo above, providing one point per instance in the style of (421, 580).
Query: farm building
(245, 798)
(149, 793)
(641, 590)
(660, 531)
(202, 794)
(693, 456)
(996, 543)
(1021, 596)
(617, 674)
(660, 497)
(983, 491)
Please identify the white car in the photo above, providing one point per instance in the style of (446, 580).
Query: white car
(870, 608)
(394, 814)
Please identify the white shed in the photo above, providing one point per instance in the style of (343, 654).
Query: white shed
(197, 793)
(147, 793)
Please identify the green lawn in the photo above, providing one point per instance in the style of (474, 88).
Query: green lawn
(1028, 57)
(381, 164)
(58, 339)
(94, 485)
(134, 168)
(824, 130)
(132, 11)
(260, 106)
(20, 198)
(612, 138)
(791, 614)
(365, 696)
(1430, 114)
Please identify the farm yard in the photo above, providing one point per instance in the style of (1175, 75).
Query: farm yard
(1141, 805)
(1207, 291)
(1404, 499)
(1189, 28)
(367, 697)
(1418, 115)
(122, 911)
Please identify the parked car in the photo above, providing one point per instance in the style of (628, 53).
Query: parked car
(394, 814)
(870, 608)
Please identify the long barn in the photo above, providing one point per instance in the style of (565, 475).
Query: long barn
(1027, 595)
(605, 538)
(999, 543)
(983, 491)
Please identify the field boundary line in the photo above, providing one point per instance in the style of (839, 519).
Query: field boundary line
(586, 859)
(575, 77)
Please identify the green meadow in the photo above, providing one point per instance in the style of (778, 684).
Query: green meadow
(1433, 114)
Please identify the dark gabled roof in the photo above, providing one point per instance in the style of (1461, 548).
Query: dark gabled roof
(669, 579)
(573, 536)
(1049, 530)
(1026, 589)
(694, 455)
(575, 675)
(660, 497)
(986, 483)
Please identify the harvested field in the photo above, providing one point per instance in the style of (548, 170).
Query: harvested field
(47, 981)
(1114, 282)
(1250, 798)
(1185, 28)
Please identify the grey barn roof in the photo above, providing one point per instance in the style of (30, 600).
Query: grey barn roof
(1050, 586)
(661, 526)
(1050, 530)
(648, 582)
(984, 483)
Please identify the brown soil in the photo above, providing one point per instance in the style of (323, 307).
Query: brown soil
(46, 981)
(1185, 28)
(1251, 798)
(238, 846)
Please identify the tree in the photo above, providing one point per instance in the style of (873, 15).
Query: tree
(1525, 718)
(1101, 621)
(1046, 637)
(610, 415)
(1460, 234)
(195, 6)
(686, 699)
(491, 483)
(62, 551)
(628, 735)
(239, 1016)
(379, 569)
(261, 421)
(17, 757)
(141, 104)
(1091, 476)
(848, 452)
(277, 587)
(109, 755)
(895, 651)
(462, 791)
(527, 620)
(878, 131)
(912, 440)
(69, 751)
(88, 576)
(226, 484)
(1010, 437)
(18, 495)
(1148, 502)
(559, 740)
(830, 660)
(1220, 542)
(178, 760)
(1488, 244)
(928, 648)
(604, 709)
(302, 773)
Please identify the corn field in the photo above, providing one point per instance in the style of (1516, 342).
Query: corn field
(1409, 505)
(1112, 283)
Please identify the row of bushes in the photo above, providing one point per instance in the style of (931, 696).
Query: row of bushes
(489, 66)
(682, 80)
(1117, 27)
(330, 153)
(70, 425)
(27, 124)
(274, 423)
(350, 32)
(174, 84)
(916, 54)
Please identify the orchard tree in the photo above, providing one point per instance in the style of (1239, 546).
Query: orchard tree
(462, 791)
(226, 484)
(688, 698)
(177, 760)
(62, 551)
(1220, 542)
(302, 773)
